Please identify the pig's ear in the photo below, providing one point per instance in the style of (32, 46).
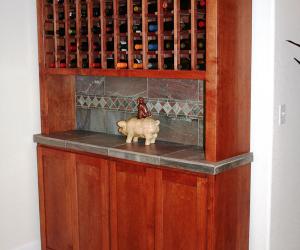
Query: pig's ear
(157, 122)
(121, 124)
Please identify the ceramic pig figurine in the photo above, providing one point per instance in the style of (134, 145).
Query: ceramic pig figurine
(134, 129)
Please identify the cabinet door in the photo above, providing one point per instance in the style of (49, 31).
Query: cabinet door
(57, 196)
(181, 211)
(132, 206)
(93, 203)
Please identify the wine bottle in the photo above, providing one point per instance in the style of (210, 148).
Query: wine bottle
(152, 26)
(185, 44)
(138, 46)
(152, 63)
(201, 44)
(122, 65)
(185, 25)
(50, 1)
(85, 63)
(84, 46)
(60, 1)
(168, 44)
(152, 8)
(201, 4)
(60, 31)
(109, 10)
(96, 29)
(110, 62)
(110, 45)
(72, 31)
(96, 46)
(185, 4)
(169, 63)
(137, 28)
(138, 60)
(137, 65)
(61, 15)
(73, 47)
(84, 30)
(84, 12)
(52, 65)
(49, 32)
(109, 28)
(96, 11)
(50, 16)
(123, 46)
(168, 25)
(122, 10)
(62, 63)
(72, 14)
(152, 45)
(97, 62)
(137, 9)
(201, 64)
(185, 64)
(167, 5)
(61, 47)
(201, 24)
(123, 27)
(73, 63)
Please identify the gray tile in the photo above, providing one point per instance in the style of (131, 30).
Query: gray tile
(98, 120)
(112, 117)
(83, 118)
(180, 89)
(183, 131)
(201, 90)
(90, 85)
(126, 87)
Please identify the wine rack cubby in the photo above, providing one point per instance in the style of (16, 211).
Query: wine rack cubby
(125, 37)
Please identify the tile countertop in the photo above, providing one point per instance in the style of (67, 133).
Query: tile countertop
(173, 155)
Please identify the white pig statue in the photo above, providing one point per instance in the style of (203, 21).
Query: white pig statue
(134, 129)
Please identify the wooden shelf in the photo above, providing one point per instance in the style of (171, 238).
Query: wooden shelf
(186, 74)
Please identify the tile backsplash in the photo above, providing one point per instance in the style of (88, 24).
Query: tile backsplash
(177, 103)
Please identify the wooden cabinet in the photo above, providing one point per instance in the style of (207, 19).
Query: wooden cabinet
(90, 202)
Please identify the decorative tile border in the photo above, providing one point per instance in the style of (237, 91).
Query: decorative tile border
(166, 107)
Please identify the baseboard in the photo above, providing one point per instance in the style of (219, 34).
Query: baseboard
(34, 245)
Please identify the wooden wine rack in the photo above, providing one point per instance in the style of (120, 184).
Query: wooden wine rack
(84, 37)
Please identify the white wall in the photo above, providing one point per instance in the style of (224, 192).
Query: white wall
(285, 206)
(262, 121)
(19, 111)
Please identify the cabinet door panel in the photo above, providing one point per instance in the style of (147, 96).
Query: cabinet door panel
(93, 198)
(56, 176)
(181, 212)
(132, 207)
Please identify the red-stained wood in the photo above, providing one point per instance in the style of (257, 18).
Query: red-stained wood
(58, 104)
(174, 74)
(57, 186)
(132, 207)
(93, 202)
(228, 78)
(181, 211)
(231, 210)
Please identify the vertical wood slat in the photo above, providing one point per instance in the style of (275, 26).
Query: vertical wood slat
(41, 29)
(160, 35)
(113, 206)
(159, 210)
(202, 201)
(116, 31)
(130, 33)
(55, 20)
(193, 35)
(145, 32)
(67, 40)
(77, 37)
(176, 34)
(103, 34)
(90, 4)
